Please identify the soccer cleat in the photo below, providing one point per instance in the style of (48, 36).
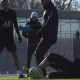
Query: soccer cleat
(21, 76)
(26, 69)
(47, 77)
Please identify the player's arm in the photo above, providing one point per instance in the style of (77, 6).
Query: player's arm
(16, 27)
(50, 21)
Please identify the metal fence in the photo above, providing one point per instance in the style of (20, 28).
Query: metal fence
(64, 46)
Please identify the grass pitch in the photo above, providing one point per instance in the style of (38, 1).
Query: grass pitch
(12, 78)
(16, 78)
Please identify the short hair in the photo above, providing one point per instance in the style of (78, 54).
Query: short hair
(4, 0)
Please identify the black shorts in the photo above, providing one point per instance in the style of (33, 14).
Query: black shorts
(8, 43)
(60, 61)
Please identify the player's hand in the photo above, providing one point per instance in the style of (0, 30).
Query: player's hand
(20, 39)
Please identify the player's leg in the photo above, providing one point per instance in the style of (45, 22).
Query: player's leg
(42, 48)
(31, 49)
(2, 45)
(11, 47)
(53, 65)
(74, 71)
(59, 60)
(48, 61)
(54, 58)
(15, 59)
(45, 63)
(16, 63)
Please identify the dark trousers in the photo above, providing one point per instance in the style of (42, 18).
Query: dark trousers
(70, 70)
(64, 64)
(75, 69)
(31, 49)
(42, 48)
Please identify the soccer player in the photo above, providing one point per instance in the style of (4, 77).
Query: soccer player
(7, 19)
(48, 31)
(69, 69)
(32, 39)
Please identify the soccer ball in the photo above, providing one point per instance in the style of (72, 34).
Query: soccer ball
(35, 73)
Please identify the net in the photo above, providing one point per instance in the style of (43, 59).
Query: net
(64, 47)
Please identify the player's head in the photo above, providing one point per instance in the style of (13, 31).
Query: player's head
(45, 2)
(5, 4)
(34, 16)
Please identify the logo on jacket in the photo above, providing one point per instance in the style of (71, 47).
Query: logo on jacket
(7, 24)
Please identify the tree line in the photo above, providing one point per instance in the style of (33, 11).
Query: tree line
(35, 4)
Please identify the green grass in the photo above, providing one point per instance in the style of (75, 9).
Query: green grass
(11, 78)
(16, 78)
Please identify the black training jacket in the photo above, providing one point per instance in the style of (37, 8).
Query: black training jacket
(32, 39)
(50, 21)
(7, 19)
